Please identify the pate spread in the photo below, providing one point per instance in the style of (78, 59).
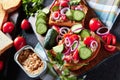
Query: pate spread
(30, 61)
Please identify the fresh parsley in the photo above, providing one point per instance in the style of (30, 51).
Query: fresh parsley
(32, 6)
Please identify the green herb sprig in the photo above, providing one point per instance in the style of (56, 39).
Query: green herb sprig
(32, 6)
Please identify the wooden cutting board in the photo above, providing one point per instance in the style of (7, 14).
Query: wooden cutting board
(102, 55)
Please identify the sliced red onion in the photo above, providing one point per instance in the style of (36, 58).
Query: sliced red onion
(78, 29)
(74, 46)
(55, 18)
(79, 7)
(59, 37)
(93, 45)
(63, 10)
(67, 42)
(64, 30)
(102, 31)
(67, 52)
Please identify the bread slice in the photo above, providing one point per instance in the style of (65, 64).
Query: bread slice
(10, 5)
(3, 16)
(5, 42)
(73, 66)
(68, 23)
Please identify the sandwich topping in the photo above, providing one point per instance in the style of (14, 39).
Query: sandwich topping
(67, 10)
(75, 48)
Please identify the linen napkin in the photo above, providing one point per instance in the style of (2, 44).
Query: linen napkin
(106, 10)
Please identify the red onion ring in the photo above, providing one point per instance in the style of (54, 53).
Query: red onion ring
(76, 43)
(64, 30)
(94, 45)
(56, 18)
(63, 10)
(67, 42)
(59, 37)
(102, 31)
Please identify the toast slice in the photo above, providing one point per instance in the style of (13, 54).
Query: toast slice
(10, 5)
(73, 66)
(5, 42)
(3, 16)
(68, 22)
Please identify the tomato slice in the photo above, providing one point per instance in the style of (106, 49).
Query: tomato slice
(76, 56)
(110, 48)
(88, 40)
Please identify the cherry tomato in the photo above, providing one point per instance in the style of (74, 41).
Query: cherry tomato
(76, 56)
(94, 24)
(110, 48)
(25, 25)
(8, 27)
(109, 39)
(64, 3)
(19, 42)
(88, 40)
(63, 17)
(1, 65)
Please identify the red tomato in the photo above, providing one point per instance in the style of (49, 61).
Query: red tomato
(76, 56)
(57, 28)
(109, 39)
(67, 58)
(64, 3)
(88, 40)
(63, 17)
(94, 24)
(110, 48)
(19, 42)
(8, 27)
(1, 65)
(25, 25)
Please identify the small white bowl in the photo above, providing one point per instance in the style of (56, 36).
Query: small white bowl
(36, 75)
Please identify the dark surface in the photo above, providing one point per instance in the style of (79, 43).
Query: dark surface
(109, 69)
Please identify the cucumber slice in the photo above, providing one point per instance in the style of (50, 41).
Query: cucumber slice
(76, 28)
(58, 48)
(55, 8)
(85, 53)
(74, 2)
(50, 39)
(40, 20)
(41, 15)
(46, 10)
(81, 45)
(84, 33)
(78, 15)
(69, 14)
(41, 28)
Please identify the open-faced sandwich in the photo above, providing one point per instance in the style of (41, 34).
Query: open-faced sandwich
(74, 47)
(67, 12)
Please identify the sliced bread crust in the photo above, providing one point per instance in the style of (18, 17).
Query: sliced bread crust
(3, 16)
(10, 5)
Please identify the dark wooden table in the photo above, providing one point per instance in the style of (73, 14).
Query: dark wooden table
(107, 69)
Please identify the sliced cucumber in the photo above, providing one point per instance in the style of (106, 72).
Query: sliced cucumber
(84, 33)
(41, 28)
(85, 53)
(50, 39)
(81, 45)
(55, 8)
(41, 15)
(74, 2)
(76, 28)
(78, 15)
(40, 20)
(58, 48)
(69, 14)
(46, 10)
